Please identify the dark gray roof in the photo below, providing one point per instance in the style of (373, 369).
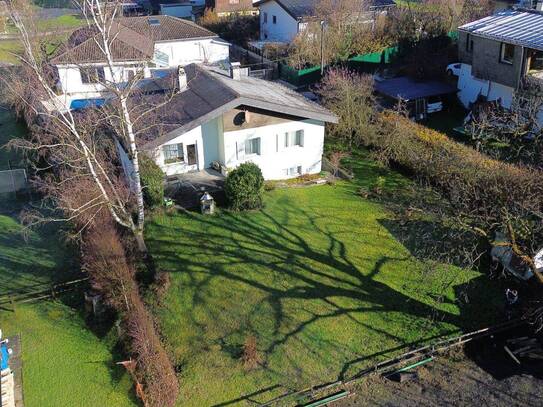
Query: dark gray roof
(306, 8)
(516, 26)
(407, 89)
(210, 93)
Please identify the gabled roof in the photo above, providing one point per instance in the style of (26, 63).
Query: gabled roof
(299, 9)
(515, 26)
(210, 94)
(134, 39)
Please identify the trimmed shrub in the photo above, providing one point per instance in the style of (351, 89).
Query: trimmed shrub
(152, 180)
(244, 187)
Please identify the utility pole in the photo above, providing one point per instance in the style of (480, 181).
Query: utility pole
(322, 47)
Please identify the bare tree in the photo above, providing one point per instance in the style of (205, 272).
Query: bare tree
(514, 135)
(70, 139)
(350, 27)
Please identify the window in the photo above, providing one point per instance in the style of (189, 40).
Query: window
(173, 153)
(265, 18)
(294, 138)
(275, 19)
(92, 75)
(252, 146)
(293, 171)
(507, 53)
(469, 43)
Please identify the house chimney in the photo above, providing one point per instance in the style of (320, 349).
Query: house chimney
(182, 78)
(235, 71)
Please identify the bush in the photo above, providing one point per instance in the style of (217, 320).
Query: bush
(152, 180)
(244, 187)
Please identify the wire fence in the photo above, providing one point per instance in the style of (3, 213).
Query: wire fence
(388, 367)
(13, 181)
(45, 291)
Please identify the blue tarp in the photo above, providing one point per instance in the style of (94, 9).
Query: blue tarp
(4, 356)
(408, 89)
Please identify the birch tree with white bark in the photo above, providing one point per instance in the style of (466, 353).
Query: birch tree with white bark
(70, 139)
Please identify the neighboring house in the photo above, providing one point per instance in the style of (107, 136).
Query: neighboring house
(187, 9)
(140, 44)
(225, 8)
(501, 56)
(282, 20)
(221, 119)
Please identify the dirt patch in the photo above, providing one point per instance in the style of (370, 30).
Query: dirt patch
(455, 380)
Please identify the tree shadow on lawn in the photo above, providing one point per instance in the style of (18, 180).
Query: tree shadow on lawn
(294, 268)
(480, 299)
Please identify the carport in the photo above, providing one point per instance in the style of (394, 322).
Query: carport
(422, 97)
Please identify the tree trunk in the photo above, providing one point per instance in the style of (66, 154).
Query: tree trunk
(140, 240)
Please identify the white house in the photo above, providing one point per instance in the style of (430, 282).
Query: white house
(282, 20)
(141, 44)
(221, 120)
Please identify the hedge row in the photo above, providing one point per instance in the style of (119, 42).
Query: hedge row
(111, 274)
(476, 185)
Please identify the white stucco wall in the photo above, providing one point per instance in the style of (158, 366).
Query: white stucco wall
(229, 148)
(195, 51)
(469, 89)
(274, 157)
(70, 77)
(284, 30)
(193, 136)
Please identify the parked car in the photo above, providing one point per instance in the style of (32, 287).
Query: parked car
(454, 69)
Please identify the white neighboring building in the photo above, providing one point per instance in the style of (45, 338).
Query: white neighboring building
(282, 20)
(141, 44)
(223, 120)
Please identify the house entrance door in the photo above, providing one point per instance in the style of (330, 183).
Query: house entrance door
(192, 157)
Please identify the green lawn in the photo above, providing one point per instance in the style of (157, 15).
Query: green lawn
(64, 363)
(62, 22)
(9, 128)
(7, 49)
(317, 277)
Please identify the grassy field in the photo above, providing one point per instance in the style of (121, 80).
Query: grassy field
(317, 277)
(64, 363)
(9, 128)
(7, 49)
